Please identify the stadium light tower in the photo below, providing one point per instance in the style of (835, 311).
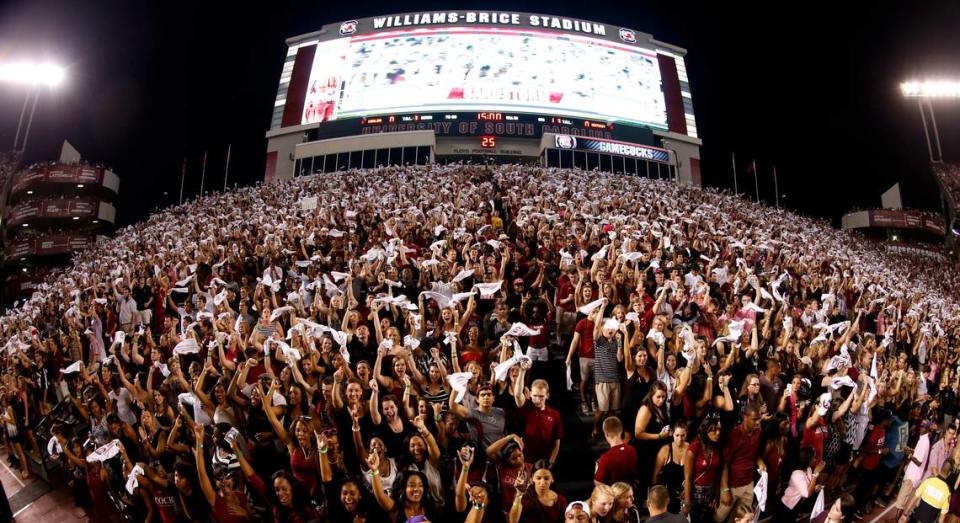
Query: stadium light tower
(33, 75)
(926, 91)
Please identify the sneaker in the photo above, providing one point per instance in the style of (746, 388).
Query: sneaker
(858, 515)
(584, 409)
(880, 502)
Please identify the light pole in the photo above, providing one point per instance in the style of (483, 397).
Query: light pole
(925, 91)
(33, 75)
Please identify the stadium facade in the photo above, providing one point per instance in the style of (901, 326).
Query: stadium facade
(50, 211)
(483, 86)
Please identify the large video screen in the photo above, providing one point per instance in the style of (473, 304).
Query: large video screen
(474, 68)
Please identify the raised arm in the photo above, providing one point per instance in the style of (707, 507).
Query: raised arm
(267, 405)
(357, 436)
(433, 450)
(205, 486)
(460, 492)
(385, 501)
(455, 407)
(471, 307)
(374, 405)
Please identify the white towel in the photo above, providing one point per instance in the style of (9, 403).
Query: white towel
(187, 346)
(54, 448)
(487, 290)
(590, 307)
(601, 254)
(105, 452)
(280, 311)
(132, 482)
(458, 382)
(500, 371)
(735, 331)
(760, 490)
(520, 329)
(410, 342)
(818, 506)
(462, 275)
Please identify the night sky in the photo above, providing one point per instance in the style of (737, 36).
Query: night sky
(812, 89)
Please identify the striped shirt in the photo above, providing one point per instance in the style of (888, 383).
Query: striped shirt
(605, 368)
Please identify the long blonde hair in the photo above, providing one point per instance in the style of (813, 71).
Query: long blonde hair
(598, 491)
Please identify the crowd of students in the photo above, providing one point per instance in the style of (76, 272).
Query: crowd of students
(384, 344)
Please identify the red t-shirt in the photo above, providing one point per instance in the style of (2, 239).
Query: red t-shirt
(741, 453)
(617, 464)
(508, 476)
(540, 429)
(706, 464)
(542, 340)
(815, 437)
(875, 443)
(585, 330)
(222, 510)
(564, 290)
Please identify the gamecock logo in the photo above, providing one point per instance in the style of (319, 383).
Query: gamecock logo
(348, 28)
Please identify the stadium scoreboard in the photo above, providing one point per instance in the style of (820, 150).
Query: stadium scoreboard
(483, 76)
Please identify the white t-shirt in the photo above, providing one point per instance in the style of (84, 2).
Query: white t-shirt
(122, 400)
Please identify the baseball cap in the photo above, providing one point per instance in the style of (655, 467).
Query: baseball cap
(575, 504)
(518, 281)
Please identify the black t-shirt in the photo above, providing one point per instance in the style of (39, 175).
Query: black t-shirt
(196, 506)
(394, 440)
(141, 295)
(358, 351)
(948, 401)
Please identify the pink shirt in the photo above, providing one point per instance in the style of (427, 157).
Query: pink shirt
(798, 488)
(914, 472)
(938, 454)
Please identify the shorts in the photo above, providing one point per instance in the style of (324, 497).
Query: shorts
(586, 369)
(537, 354)
(905, 496)
(145, 316)
(566, 322)
(608, 396)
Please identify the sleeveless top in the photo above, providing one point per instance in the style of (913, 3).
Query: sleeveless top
(671, 475)
(304, 470)
(440, 397)
(385, 480)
